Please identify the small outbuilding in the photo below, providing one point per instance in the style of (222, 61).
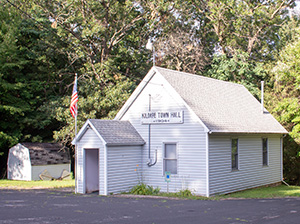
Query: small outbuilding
(31, 161)
(109, 152)
(186, 132)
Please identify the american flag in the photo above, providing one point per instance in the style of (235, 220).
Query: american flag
(74, 99)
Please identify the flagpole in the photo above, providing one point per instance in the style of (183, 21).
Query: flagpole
(75, 168)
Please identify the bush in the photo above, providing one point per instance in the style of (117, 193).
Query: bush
(143, 189)
(184, 193)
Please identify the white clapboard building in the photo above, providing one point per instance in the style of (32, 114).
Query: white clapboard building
(209, 136)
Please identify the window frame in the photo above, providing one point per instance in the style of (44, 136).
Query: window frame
(265, 151)
(168, 159)
(234, 155)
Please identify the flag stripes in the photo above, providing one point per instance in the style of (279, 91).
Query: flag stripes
(74, 99)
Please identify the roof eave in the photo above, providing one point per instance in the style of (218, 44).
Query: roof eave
(247, 132)
(88, 124)
(125, 144)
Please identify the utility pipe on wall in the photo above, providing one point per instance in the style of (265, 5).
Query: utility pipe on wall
(149, 163)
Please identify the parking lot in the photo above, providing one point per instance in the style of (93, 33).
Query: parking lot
(57, 206)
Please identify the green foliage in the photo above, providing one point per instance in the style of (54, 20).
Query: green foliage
(280, 191)
(238, 69)
(248, 26)
(38, 59)
(284, 103)
(291, 161)
(288, 33)
(99, 34)
(143, 189)
(29, 60)
(184, 193)
(94, 101)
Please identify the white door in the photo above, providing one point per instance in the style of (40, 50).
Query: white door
(91, 170)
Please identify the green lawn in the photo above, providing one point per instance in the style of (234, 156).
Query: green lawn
(19, 184)
(261, 192)
(267, 192)
(280, 191)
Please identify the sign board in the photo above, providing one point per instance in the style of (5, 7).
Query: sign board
(162, 117)
(168, 176)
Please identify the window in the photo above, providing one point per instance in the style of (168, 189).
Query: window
(265, 151)
(234, 154)
(170, 158)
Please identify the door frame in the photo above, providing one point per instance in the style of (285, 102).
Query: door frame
(86, 168)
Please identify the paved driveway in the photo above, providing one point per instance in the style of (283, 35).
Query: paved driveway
(51, 206)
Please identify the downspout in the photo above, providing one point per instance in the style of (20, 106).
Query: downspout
(149, 163)
(207, 163)
(105, 172)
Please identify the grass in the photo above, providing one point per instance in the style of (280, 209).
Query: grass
(19, 184)
(280, 191)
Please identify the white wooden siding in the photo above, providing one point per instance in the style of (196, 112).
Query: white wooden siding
(251, 172)
(122, 162)
(89, 140)
(189, 136)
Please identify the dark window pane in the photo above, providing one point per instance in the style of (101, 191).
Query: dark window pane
(234, 153)
(265, 151)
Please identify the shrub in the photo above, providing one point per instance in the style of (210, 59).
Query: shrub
(143, 189)
(184, 193)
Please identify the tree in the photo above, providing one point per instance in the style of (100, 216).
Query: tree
(105, 43)
(89, 106)
(184, 40)
(238, 69)
(96, 30)
(248, 26)
(182, 51)
(286, 90)
(283, 101)
(28, 61)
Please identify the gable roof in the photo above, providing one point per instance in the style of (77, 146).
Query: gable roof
(47, 153)
(223, 107)
(114, 132)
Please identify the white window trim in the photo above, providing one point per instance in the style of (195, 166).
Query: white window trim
(238, 154)
(163, 154)
(262, 150)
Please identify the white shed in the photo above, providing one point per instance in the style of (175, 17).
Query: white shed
(108, 152)
(211, 136)
(27, 161)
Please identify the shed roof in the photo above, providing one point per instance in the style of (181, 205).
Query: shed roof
(116, 132)
(222, 106)
(47, 153)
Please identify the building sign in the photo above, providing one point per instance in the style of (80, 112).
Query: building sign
(167, 176)
(162, 117)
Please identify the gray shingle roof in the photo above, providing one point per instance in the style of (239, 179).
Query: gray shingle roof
(222, 106)
(116, 132)
(47, 153)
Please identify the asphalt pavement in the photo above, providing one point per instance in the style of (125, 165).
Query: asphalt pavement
(59, 207)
